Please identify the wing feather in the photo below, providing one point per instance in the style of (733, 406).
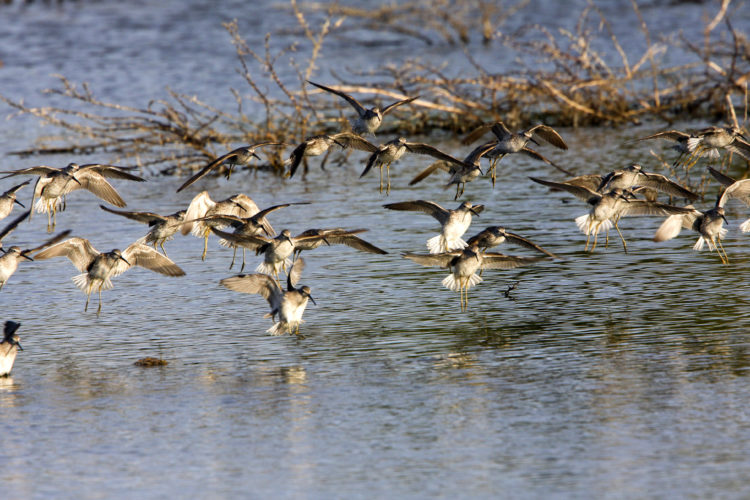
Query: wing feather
(80, 251)
(95, 183)
(428, 207)
(138, 254)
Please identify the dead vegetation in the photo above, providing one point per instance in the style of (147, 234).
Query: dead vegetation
(557, 77)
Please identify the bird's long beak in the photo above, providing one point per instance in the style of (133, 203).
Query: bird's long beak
(255, 155)
(337, 142)
(26, 257)
(18, 344)
(312, 299)
(474, 211)
(326, 242)
(534, 140)
(124, 260)
(240, 205)
(74, 178)
(16, 201)
(725, 220)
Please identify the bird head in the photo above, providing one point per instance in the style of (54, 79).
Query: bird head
(305, 291)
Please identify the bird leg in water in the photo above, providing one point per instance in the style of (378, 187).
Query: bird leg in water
(719, 246)
(624, 245)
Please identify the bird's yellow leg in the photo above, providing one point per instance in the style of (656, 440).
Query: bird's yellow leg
(388, 176)
(596, 236)
(381, 178)
(721, 247)
(624, 245)
(234, 255)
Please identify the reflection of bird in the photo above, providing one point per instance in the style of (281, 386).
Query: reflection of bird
(9, 347)
(98, 268)
(289, 305)
(11, 257)
(276, 251)
(368, 120)
(55, 183)
(496, 235)
(607, 209)
(509, 142)
(8, 198)
(394, 150)
(461, 172)
(631, 177)
(163, 227)
(202, 206)
(454, 222)
(240, 156)
(319, 144)
(464, 264)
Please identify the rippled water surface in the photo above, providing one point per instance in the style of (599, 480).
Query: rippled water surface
(603, 375)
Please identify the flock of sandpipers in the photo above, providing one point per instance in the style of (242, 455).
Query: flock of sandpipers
(240, 223)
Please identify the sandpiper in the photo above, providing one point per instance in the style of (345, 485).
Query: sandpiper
(319, 144)
(709, 225)
(454, 222)
(464, 264)
(240, 156)
(98, 268)
(246, 226)
(163, 227)
(9, 347)
(55, 183)
(394, 150)
(510, 143)
(495, 235)
(289, 305)
(8, 199)
(11, 257)
(631, 177)
(461, 173)
(238, 205)
(607, 209)
(368, 120)
(276, 251)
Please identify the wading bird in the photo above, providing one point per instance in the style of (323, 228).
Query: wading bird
(496, 235)
(319, 144)
(9, 347)
(368, 120)
(54, 184)
(461, 173)
(99, 268)
(240, 156)
(607, 209)
(509, 143)
(163, 227)
(288, 304)
(464, 264)
(202, 206)
(454, 223)
(8, 198)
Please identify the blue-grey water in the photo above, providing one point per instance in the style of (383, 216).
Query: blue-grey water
(605, 375)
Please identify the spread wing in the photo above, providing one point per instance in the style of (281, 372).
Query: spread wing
(352, 140)
(94, 182)
(295, 273)
(427, 207)
(138, 254)
(426, 149)
(521, 241)
(112, 171)
(260, 284)
(739, 190)
(501, 131)
(244, 240)
(475, 134)
(396, 104)
(673, 224)
(438, 165)
(722, 178)
(589, 181)
(144, 217)
(500, 261)
(674, 135)
(12, 225)
(530, 152)
(38, 170)
(349, 238)
(432, 260)
(55, 239)
(197, 209)
(665, 185)
(354, 103)
(643, 207)
(581, 192)
(17, 187)
(548, 134)
(79, 250)
(739, 147)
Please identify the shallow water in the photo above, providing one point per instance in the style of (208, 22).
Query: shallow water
(606, 375)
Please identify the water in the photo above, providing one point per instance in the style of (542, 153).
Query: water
(607, 375)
